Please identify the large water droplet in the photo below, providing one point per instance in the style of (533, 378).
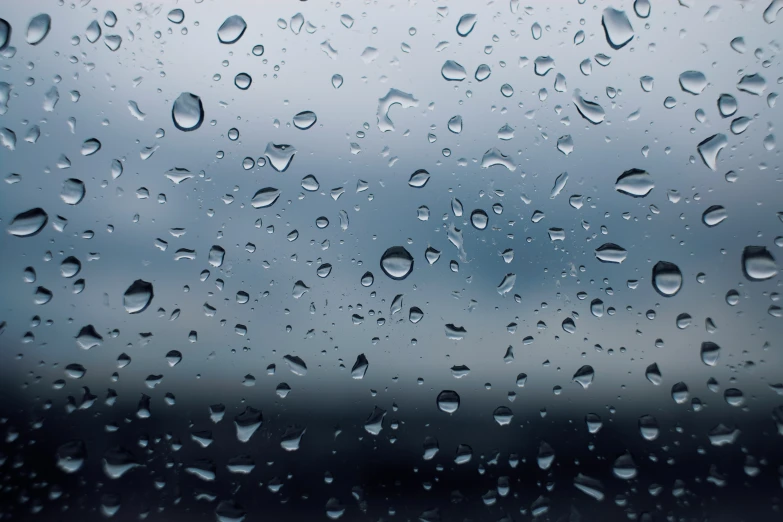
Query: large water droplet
(584, 376)
(448, 401)
(714, 215)
(187, 112)
(503, 415)
(611, 253)
(397, 263)
(265, 197)
(666, 278)
(758, 263)
(90, 147)
(479, 219)
(28, 223)
(304, 120)
(624, 467)
(727, 105)
(280, 156)
(635, 182)
(232, 29)
(176, 16)
(73, 191)
(710, 148)
(466, 24)
(419, 178)
(617, 27)
(752, 84)
(93, 31)
(589, 110)
(71, 456)
(693, 82)
(5, 34)
(247, 423)
(243, 81)
(710, 352)
(453, 72)
(138, 296)
(38, 29)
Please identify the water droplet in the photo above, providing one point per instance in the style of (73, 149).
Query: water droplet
(448, 401)
(113, 42)
(374, 423)
(611, 253)
(714, 215)
(455, 124)
(482, 72)
(507, 284)
(73, 191)
(710, 148)
(727, 105)
(265, 197)
(71, 456)
(617, 27)
(503, 415)
(38, 28)
(635, 182)
(666, 278)
(624, 467)
(466, 24)
(648, 427)
(565, 144)
(243, 81)
(752, 84)
(758, 263)
(70, 267)
(337, 81)
(419, 178)
(176, 16)
(187, 112)
(5, 34)
(642, 8)
(232, 29)
(247, 422)
(693, 82)
(304, 120)
(589, 110)
(28, 223)
(479, 219)
(543, 64)
(653, 374)
(280, 156)
(93, 31)
(584, 376)
(453, 72)
(710, 352)
(90, 147)
(397, 263)
(138, 296)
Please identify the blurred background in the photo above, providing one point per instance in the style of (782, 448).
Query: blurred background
(201, 318)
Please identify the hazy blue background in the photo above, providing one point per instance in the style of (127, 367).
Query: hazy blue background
(294, 75)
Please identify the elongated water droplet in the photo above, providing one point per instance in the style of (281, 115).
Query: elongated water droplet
(28, 223)
(419, 178)
(714, 215)
(611, 253)
(635, 182)
(265, 197)
(304, 120)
